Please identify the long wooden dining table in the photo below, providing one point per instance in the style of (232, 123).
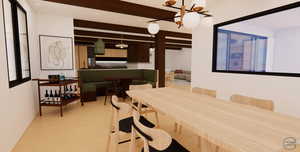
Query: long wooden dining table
(230, 126)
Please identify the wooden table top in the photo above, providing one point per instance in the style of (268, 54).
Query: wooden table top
(231, 126)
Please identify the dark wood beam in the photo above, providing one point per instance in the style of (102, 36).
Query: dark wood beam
(112, 41)
(160, 55)
(122, 7)
(125, 36)
(111, 35)
(124, 28)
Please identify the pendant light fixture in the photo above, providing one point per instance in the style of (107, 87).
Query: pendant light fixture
(121, 45)
(153, 28)
(189, 18)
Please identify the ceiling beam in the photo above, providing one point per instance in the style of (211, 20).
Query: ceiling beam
(122, 7)
(90, 41)
(125, 36)
(124, 28)
(113, 41)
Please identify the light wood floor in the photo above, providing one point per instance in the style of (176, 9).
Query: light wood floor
(82, 129)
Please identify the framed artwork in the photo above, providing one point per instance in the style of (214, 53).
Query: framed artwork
(56, 52)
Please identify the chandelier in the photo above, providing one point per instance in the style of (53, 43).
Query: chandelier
(188, 18)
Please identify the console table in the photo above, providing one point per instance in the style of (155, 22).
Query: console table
(62, 98)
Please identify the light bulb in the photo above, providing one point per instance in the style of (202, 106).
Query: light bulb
(153, 28)
(191, 20)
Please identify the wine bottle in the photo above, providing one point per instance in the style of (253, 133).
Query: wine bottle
(55, 96)
(71, 91)
(59, 95)
(51, 95)
(47, 95)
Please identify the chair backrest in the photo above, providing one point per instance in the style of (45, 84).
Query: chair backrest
(259, 103)
(203, 91)
(140, 87)
(120, 108)
(156, 138)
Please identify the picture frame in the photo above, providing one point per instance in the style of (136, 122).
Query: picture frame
(56, 52)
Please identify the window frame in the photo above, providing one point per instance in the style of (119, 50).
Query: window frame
(15, 5)
(260, 14)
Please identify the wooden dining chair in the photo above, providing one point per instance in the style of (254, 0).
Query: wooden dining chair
(256, 102)
(145, 109)
(155, 140)
(121, 122)
(203, 91)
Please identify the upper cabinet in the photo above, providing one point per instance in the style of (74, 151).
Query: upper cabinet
(138, 53)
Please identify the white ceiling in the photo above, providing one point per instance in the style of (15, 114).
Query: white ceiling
(46, 7)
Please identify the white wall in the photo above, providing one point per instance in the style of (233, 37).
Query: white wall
(283, 90)
(286, 55)
(55, 26)
(178, 59)
(18, 105)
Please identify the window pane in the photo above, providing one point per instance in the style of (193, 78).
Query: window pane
(23, 44)
(222, 51)
(11, 61)
(241, 52)
(261, 47)
(236, 52)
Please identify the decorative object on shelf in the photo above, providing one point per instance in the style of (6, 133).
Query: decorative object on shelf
(122, 45)
(54, 78)
(189, 18)
(56, 52)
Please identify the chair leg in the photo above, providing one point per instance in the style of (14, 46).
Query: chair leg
(175, 127)
(132, 147)
(157, 120)
(108, 143)
(105, 99)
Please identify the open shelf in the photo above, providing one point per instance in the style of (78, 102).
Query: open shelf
(62, 86)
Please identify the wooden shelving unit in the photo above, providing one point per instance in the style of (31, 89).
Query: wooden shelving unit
(62, 88)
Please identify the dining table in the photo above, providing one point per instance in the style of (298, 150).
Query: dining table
(229, 126)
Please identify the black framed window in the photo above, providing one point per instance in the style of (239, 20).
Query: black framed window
(259, 44)
(17, 43)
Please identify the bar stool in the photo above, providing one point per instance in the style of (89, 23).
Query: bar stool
(121, 122)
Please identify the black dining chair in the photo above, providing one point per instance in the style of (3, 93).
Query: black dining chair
(121, 122)
(155, 140)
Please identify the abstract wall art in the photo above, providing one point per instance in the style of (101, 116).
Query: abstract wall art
(56, 52)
